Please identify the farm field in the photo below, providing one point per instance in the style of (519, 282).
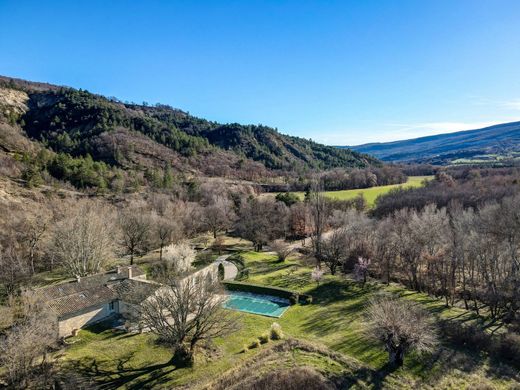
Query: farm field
(370, 194)
(327, 335)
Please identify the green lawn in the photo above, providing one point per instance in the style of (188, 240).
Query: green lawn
(371, 194)
(334, 321)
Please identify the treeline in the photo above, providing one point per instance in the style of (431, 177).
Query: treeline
(341, 179)
(469, 187)
(459, 241)
(338, 179)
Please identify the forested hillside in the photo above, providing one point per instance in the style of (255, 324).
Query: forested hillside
(76, 130)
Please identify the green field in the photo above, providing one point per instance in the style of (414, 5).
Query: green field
(370, 194)
(334, 323)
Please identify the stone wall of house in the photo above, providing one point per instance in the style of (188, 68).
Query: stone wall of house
(90, 316)
(128, 310)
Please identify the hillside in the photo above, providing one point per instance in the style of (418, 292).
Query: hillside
(88, 129)
(487, 144)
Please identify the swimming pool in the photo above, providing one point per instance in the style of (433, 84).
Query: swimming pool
(265, 305)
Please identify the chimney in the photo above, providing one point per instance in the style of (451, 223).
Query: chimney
(118, 269)
(129, 272)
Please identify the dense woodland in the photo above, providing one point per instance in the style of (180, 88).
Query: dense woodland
(142, 137)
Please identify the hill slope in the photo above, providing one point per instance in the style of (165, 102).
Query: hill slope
(129, 136)
(501, 139)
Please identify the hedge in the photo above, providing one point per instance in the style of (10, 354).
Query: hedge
(292, 296)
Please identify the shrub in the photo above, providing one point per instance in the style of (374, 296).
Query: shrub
(506, 347)
(288, 379)
(276, 332)
(306, 299)
(510, 347)
(289, 198)
(244, 348)
(293, 298)
(264, 338)
(221, 271)
(254, 344)
(480, 386)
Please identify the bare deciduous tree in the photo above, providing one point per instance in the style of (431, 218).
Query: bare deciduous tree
(281, 248)
(319, 212)
(179, 257)
(83, 240)
(218, 215)
(25, 346)
(13, 268)
(135, 228)
(334, 250)
(317, 275)
(262, 221)
(361, 270)
(186, 312)
(166, 231)
(401, 325)
(299, 221)
(30, 232)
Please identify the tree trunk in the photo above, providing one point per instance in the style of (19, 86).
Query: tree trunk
(182, 357)
(396, 356)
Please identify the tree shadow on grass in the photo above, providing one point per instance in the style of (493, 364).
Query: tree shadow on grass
(340, 290)
(262, 267)
(337, 305)
(365, 375)
(107, 374)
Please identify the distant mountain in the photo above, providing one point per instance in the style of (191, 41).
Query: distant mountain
(142, 138)
(503, 139)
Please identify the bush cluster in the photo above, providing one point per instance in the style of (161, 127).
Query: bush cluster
(264, 338)
(506, 346)
(275, 333)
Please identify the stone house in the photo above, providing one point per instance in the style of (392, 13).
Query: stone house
(95, 298)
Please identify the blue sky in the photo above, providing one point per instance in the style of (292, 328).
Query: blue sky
(339, 72)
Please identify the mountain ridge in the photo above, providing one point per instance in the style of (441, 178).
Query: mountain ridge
(140, 137)
(444, 148)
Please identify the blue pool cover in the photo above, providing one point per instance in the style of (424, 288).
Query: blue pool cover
(265, 305)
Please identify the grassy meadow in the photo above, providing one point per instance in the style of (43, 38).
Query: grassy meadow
(370, 194)
(332, 331)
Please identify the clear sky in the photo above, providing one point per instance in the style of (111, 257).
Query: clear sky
(339, 72)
